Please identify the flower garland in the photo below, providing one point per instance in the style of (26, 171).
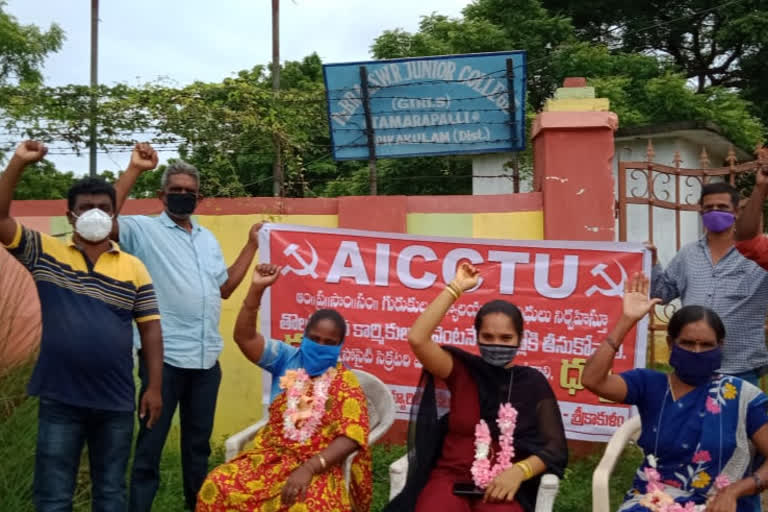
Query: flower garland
(305, 405)
(482, 471)
(657, 500)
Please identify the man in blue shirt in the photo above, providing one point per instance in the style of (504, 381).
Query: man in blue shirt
(191, 278)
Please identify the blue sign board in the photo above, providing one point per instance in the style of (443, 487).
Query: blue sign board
(446, 105)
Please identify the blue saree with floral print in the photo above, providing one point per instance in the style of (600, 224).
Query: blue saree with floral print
(695, 438)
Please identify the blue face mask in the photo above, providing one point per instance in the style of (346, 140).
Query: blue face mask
(694, 368)
(316, 357)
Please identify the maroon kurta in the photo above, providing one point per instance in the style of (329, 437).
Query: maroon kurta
(458, 452)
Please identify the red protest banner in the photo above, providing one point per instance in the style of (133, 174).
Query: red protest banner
(569, 293)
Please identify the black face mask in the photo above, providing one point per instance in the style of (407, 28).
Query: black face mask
(497, 355)
(181, 204)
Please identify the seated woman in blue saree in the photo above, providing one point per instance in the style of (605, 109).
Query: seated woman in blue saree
(705, 435)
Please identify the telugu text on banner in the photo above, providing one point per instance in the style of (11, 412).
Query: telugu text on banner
(569, 294)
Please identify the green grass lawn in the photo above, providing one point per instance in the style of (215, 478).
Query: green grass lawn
(18, 430)
(17, 444)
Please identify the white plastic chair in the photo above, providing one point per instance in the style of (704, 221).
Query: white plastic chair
(545, 499)
(629, 432)
(381, 415)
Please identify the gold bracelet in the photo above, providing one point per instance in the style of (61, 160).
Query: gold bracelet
(455, 288)
(529, 473)
(323, 463)
(452, 292)
(526, 468)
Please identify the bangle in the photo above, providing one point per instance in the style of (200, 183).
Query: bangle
(526, 469)
(323, 463)
(455, 288)
(758, 483)
(452, 292)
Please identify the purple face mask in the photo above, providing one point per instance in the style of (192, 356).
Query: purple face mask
(717, 222)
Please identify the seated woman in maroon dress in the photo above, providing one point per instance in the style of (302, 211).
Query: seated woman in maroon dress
(443, 473)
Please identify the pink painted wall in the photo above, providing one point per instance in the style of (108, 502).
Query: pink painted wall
(574, 156)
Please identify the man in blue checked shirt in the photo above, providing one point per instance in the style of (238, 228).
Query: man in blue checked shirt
(191, 278)
(711, 272)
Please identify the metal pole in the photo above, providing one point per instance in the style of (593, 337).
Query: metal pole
(511, 101)
(515, 174)
(369, 131)
(94, 82)
(277, 164)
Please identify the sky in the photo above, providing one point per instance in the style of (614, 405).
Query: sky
(186, 40)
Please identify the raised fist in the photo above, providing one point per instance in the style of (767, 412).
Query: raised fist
(265, 274)
(467, 277)
(143, 157)
(30, 151)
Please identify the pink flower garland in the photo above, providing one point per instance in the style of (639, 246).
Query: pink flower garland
(657, 500)
(304, 413)
(482, 471)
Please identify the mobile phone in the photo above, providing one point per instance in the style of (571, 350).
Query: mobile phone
(467, 489)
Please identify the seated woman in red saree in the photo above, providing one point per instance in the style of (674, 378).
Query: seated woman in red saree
(454, 464)
(318, 420)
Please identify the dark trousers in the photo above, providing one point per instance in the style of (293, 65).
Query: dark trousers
(62, 432)
(194, 391)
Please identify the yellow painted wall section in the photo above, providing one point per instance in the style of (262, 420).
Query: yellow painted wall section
(239, 402)
(60, 225)
(511, 226)
(578, 105)
(439, 224)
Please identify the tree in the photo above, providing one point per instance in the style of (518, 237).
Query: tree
(440, 35)
(644, 88)
(23, 48)
(225, 128)
(531, 27)
(711, 42)
(43, 181)
(487, 26)
(302, 75)
(409, 176)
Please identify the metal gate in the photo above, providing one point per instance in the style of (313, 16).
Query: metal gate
(659, 188)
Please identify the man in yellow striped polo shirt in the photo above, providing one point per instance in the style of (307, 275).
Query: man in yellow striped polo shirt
(90, 294)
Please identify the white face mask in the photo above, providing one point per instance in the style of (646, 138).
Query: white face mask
(94, 225)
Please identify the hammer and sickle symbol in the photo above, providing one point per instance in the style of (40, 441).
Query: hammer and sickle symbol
(613, 289)
(306, 268)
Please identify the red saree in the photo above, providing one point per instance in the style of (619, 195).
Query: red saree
(255, 478)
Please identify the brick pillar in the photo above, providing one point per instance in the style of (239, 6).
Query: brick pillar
(573, 157)
(573, 154)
